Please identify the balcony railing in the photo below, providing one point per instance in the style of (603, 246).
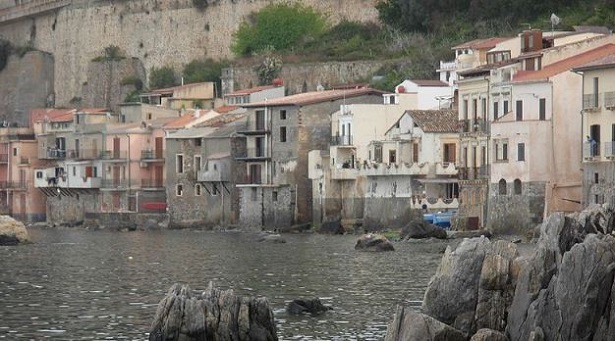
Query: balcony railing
(83, 154)
(591, 101)
(13, 184)
(609, 100)
(23, 160)
(116, 183)
(54, 153)
(113, 155)
(212, 176)
(473, 173)
(149, 154)
(4, 158)
(609, 149)
(345, 140)
(254, 153)
(591, 150)
(151, 183)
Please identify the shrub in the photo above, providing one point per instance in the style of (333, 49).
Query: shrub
(206, 70)
(133, 80)
(278, 27)
(163, 77)
(268, 69)
(110, 53)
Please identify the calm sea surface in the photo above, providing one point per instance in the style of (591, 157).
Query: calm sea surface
(102, 285)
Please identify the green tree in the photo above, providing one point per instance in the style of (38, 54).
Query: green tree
(163, 77)
(278, 27)
(206, 70)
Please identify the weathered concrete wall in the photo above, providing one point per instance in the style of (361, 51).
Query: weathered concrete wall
(473, 196)
(157, 32)
(516, 213)
(69, 210)
(387, 213)
(598, 183)
(26, 83)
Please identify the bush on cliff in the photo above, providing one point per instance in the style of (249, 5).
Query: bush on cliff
(204, 70)
(163, 77)
(279, 27)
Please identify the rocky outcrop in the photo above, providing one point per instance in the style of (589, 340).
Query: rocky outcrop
(421, 229)
(12, 232)
(563, 289)
(373, 242)
(312, 306)
(214, 315)
(409, 325)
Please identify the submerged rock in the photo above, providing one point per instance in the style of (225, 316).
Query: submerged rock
(12, 232)
(312, 306)
(214, 315)
(373, 242)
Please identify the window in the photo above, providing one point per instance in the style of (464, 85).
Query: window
(449, 152)
(542, 109)
(484, 108)
(214, 189)
(519, 110)
(505, 108)
(392, 156)
(14, 151)
(475, 108)
(596, 178)
(495, 110)
(197, 163)
(260, 120)
(179, 190)
(197, 190)
(517, 186)
(501, 150)
(197, 142)
(282, 134)
(502, 187)
(179, 163)
(521, 152)
(378, 154)
(274, 196)
(465, 109)
(282, 114)
(39, 175)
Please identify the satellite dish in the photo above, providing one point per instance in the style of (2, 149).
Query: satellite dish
(555, 20)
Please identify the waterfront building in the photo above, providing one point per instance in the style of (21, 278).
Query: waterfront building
(279, 135)
(598, 130)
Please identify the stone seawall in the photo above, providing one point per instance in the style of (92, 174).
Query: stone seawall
(157, 32)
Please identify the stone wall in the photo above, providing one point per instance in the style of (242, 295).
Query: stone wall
(598, 183)
(472, 204)
(516, 213)
(156, 32)
(26, 82)
(70, 210)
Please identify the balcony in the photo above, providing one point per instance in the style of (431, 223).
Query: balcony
(117, 184)
(591, 102)
(4, 158)
(434, 204)
(149, 155)
(341, 173)
(257, 154)
(68, 182)
(24, 161)
(83, 154)
(152, 183)
(609, 150)
(402, 169)
(345, 140)
(113, 155)
(446, 168)
(55, 154)
(474, 173)
(591, 151)
(609, 100)
(15, 185)
(212, 176)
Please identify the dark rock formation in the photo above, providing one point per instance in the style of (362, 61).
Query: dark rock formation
(421, 229)
(373, 242)
(331, 227)
(313, 307)
(563, 290)
(12, 232)
(409, 325)
(214, 315)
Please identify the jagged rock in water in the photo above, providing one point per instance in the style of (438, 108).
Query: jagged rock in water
(271, 237)
(313, 307)
(421, 229)
(409, 325)
(214, 315)
(12, 232)
(373, 242)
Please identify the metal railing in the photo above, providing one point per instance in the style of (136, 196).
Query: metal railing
(609, 99)
(113, 154)
(591, 101)
(149, 154)
(151, 183)
(344, 140)
(591, 150)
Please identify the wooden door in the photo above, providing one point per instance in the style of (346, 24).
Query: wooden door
(158, 176)
(158, 148)
(116, 147)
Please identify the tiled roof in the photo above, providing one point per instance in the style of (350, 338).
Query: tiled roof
(225, 109)
(435, 121)
(565, 65)
(93, 111)
(313, 97)
(602, 63)
(250, 90)
(50, 115)
(481, 44)
(180, 122)
(429, 82)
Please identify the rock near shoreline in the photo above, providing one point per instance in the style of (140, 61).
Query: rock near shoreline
(563, 290)
(12, 232)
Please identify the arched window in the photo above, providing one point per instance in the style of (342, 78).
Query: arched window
(502, 187)
(517, 186)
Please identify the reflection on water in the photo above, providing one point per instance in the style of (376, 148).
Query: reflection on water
(84, 285)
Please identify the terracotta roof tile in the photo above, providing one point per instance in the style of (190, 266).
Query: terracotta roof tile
(435, 121)
(42, 114)
(565, 65)
(313, 97)
(481, 44)
(225, 109)
(601, 63)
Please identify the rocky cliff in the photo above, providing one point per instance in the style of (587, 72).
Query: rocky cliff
(156, 32)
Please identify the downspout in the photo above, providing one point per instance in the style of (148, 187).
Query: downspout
(553, 171)
(487, 161)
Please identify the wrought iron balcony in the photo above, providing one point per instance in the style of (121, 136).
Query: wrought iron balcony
(344, 140)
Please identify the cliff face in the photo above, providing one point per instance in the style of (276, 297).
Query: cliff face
(156, 32)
